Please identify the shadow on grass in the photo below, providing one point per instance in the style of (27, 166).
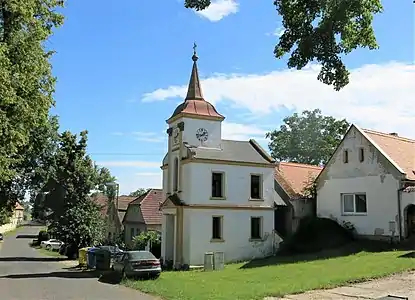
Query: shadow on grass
(34, 259)
(346, 250)
(27, 236)
(408, 255)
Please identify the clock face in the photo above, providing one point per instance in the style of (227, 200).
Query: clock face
(202, 134)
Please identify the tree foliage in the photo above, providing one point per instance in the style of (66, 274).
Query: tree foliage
(26, 91)
(140, 241)
(322, 31)
(138, 192)
(309, 138)
(75, 219)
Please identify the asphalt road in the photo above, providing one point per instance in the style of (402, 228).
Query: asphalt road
(27, 274)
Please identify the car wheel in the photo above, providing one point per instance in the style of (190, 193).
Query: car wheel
(48, 247)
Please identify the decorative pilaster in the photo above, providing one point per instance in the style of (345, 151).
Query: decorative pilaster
(170, 162)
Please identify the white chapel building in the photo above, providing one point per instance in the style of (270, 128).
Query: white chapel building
(218, 194)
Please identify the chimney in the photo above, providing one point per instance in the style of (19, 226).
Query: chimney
(394, 134)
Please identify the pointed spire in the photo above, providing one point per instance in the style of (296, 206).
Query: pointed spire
(194, 91)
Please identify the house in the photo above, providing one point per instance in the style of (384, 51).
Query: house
(291, 183)
(18, 214)
(218, 194)
(112, 215)
(367, 182)
(143, 214)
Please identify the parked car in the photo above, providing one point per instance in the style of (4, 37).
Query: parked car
(1, 236)
(51, 244)
(137, 264)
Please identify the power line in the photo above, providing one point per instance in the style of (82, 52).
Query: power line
(127, 154)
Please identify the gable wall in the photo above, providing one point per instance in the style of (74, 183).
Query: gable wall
(375, 176)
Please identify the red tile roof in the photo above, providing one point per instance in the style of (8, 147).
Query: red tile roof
(295, 177)
(149, 206)
(401, 150)
(123, 202)
(102, 201)
(18, 206)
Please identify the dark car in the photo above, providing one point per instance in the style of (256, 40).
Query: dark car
(137, 264)
(1, 236)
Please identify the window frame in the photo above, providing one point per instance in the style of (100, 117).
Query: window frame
(220, 238)
(361, 154)
(261, 187)
(222, 186)
(346, 156)
(176, 174)
(354, 213)
(261, 227)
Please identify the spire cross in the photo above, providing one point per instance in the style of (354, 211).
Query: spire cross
(194, 48)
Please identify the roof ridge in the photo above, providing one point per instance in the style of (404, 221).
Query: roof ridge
(404, 139)
(301, 165)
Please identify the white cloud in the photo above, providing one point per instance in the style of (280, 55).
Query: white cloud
(150, 137)
(219, 9)
(277, 32)
(148, 173)
(378, 97)
(242, 132)
(132, 164)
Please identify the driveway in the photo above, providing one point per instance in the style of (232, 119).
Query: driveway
(26, 274)
(401, 285)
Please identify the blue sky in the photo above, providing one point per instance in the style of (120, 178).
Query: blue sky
(123, 69)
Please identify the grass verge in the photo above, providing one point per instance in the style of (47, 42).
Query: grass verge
(275, 278)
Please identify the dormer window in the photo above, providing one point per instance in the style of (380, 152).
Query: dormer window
(345, 156)
(361, 154)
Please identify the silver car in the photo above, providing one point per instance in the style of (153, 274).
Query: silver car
(137, 264)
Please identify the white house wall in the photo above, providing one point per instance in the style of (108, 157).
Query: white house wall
(374, 176)
(237, 184)
(236, 228)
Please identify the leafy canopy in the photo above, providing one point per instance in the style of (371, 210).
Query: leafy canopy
(322, 31)
(138, 192)
(309, 138)
(26, 94)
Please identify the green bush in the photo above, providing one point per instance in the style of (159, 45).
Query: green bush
(43, 236)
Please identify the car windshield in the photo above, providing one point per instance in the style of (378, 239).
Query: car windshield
(138, 255)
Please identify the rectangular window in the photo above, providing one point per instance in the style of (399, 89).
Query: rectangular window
(132, 233)
(217, 228)
(346, 156)
(354, 204)
(256, 187)
(361, 154)
(217, 185)
(256, 228)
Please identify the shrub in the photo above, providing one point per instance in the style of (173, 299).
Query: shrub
(43, 236)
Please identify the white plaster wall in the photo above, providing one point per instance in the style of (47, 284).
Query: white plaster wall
(381, 197)
(236, 233)
(375, 176)
(237, 184)
(214, 129)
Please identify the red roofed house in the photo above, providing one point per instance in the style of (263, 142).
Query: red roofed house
(291, 183)
(113, 216)
(18, 214)
(367, 183)
(143, 214)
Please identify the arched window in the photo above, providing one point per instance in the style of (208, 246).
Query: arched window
(176, 175)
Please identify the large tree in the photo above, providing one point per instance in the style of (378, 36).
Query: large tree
(309, 138)
(75, 219)
(322, 31)
(26, 89)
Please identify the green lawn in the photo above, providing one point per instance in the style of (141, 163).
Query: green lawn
(274, 279)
